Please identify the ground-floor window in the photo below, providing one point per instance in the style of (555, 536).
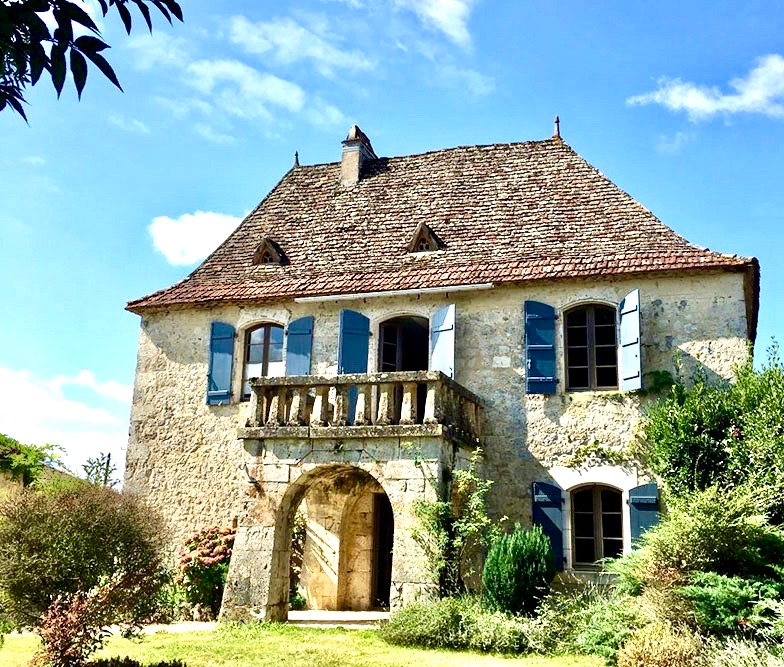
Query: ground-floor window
(597, 523)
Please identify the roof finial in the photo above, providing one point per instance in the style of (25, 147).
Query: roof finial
(296, 158)
(557, 130)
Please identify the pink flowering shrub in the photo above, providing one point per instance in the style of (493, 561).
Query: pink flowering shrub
(202, 568)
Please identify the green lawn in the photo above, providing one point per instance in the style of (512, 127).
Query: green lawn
(268, 645)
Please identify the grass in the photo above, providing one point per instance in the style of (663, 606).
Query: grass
(268, 645)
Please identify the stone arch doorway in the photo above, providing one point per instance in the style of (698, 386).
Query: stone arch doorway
(345, 560)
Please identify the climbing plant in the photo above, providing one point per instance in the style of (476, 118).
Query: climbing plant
(453, 530)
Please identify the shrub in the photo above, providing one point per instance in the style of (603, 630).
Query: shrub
(204, 563)
(742, 653)
(456, 623)
(583, 619)
(75, 558)
(724, 435)
(660, 645)
(723, 605)
(518, 570)
(713, 530)
(602, 626)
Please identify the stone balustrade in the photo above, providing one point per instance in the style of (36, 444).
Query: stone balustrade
(362, 405)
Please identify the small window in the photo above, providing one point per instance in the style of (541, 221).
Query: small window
(268, 252)
(591, 348)
(597, 524)
(263, 355)
(424, 240)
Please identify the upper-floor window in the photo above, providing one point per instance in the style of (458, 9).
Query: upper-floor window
(591, 348)
(263, 354)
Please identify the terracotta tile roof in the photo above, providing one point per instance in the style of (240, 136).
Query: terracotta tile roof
(505, 213)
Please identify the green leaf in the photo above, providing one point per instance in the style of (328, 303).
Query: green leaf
(145, 11)
(102, 64)
(76, 13)
(38, 62)
(174, 8)
(79, 71)
(162, 9)
(89, 44)
(58, 67)
(125, 15)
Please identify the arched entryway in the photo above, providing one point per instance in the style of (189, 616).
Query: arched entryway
(341, 558)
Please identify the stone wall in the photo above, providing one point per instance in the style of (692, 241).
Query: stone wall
(184, 456)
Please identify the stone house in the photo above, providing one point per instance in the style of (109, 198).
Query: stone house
(374, 320)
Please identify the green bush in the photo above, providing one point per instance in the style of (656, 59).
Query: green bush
(714, 530)
(518, 571)
(585, 620)
(720, 435)
(74, 559)
(724, 605)
(203, 565)
(456, 623)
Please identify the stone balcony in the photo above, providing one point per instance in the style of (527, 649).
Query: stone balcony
(367, 405)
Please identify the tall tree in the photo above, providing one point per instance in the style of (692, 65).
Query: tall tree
(28, 48)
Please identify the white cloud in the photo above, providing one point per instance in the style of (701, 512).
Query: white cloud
(477, 84)
(673, 144)
(34, 160)
(182, 107)
(448, 16)
(286, 42)
(760, 91)
(35, 410)
(325, 115)
(129, 124)
(191, 237)
(157, 49)
(242, 90)
(122, 393)
(211, 134)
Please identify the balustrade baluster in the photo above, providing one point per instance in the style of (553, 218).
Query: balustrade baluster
(362, 410)
(386, 404)
(298, 400)
(408, 410)
(340, 415)
(318, 417)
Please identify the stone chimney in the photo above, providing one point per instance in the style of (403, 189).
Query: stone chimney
(356, 150)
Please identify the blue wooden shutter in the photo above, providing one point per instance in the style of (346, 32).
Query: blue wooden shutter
(353, 343)
(539, 348)
(221, 358)
(629, 356)
(299, 343)
(643, 509)
(442, 341)
(353, 337)
(547, 508)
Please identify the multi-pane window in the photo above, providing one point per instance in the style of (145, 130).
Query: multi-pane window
(591, 348)
(263, 354)
(597, 524)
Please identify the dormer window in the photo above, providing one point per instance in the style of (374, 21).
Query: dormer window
(424, 240)
(268, 252)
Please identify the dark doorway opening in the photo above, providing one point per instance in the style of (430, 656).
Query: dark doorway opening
(404, 346)
(382, 550)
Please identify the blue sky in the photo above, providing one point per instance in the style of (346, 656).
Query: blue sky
(680, 103)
